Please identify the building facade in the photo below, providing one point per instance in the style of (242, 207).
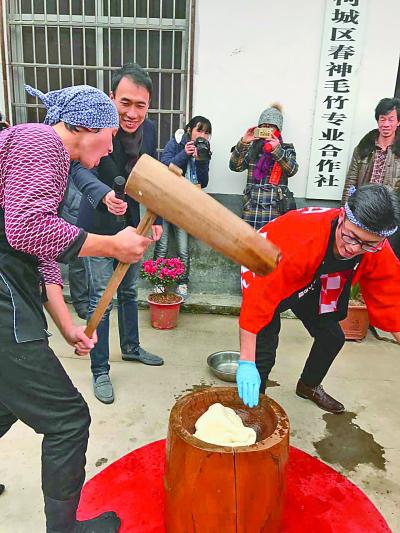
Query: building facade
(227, 60)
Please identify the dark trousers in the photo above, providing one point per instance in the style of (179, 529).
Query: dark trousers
(181, 243)
(328, 341)
(35, 389)
(78, 286)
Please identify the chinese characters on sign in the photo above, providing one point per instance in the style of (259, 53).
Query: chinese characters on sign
(340, 59)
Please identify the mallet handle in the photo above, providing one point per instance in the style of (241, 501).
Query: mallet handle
(143, 228)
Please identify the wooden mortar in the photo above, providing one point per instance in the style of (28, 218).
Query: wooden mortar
(217, 489)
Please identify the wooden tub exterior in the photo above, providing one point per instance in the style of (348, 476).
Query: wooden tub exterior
(216, 489)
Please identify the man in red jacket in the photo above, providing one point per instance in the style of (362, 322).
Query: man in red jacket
(324, 251)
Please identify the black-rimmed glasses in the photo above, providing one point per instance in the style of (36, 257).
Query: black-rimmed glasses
(348, 239)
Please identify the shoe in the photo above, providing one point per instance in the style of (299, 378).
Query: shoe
(182, 290)
(2, 489)
(144, 357)
(103, 389)
(61, 518)
(319, 397)
(105, 523)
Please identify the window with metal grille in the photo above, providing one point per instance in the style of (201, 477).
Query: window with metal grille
(57, 43)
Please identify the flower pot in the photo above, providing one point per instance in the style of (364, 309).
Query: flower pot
(355, 325)
(164, 315)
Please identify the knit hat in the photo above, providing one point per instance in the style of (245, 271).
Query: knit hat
(81, 105)
(272, 115)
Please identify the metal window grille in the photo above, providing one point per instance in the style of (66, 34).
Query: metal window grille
(57, 43)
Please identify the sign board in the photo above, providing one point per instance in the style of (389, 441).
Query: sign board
(341, 52)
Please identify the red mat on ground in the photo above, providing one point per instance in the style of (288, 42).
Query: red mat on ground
(318, 499)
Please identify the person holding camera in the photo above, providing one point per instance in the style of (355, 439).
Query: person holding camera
(269, 163)
(189, 150)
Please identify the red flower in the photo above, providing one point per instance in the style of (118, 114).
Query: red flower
(163, 271)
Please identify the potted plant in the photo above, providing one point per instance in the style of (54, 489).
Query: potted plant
(164, 304)
(355, 325)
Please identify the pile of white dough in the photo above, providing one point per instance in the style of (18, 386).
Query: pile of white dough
(221, 425)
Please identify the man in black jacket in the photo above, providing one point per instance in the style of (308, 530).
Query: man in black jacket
(131, 92)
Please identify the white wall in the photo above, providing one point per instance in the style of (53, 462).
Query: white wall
(250, 53)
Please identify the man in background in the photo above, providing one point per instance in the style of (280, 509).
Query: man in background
(376, 158)
(131, 92)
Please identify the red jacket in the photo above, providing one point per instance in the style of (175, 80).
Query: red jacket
(303, 237)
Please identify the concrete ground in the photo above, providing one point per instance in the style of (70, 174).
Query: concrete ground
(363, 443)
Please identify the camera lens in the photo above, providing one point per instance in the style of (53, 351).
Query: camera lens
(203, 149)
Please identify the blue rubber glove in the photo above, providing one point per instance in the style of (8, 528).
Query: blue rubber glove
(248, 381)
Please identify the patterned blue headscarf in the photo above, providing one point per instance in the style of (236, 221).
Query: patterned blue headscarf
(81, 105)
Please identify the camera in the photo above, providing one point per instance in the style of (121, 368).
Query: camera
(264, 133)
(203, 149)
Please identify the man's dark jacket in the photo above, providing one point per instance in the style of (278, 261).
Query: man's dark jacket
(93, 214)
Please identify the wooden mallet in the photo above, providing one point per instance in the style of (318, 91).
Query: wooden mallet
(174, 198)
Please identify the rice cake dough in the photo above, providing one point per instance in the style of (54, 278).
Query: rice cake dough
(222, 426)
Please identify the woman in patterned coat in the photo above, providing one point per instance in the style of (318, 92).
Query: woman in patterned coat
(269, 164)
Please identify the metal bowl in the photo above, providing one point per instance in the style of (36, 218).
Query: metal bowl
(224, 364)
